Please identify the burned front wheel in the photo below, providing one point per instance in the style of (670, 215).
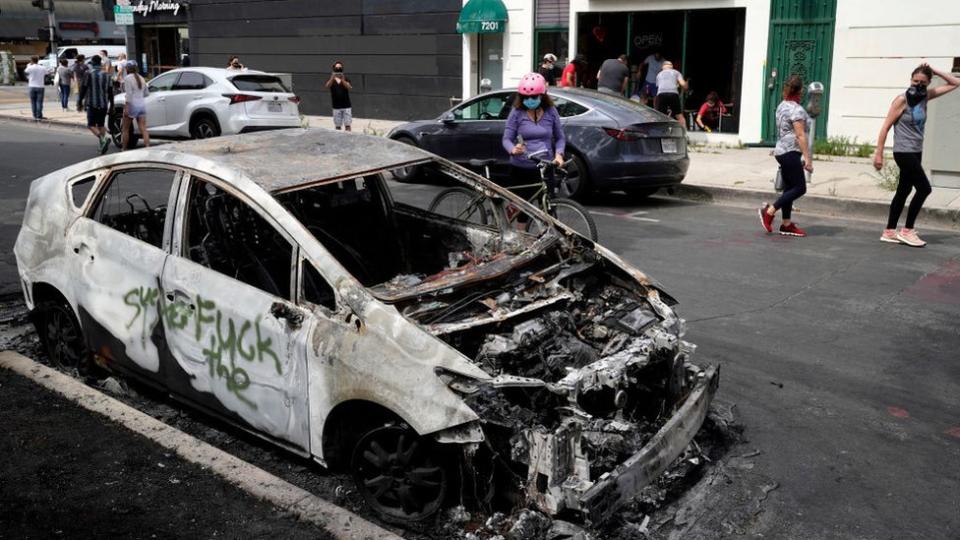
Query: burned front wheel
(400, 475)
(62, 337)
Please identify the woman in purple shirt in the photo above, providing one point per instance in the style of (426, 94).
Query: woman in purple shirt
(533, 126)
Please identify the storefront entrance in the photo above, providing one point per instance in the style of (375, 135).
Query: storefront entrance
(706, 45)
(162, 47)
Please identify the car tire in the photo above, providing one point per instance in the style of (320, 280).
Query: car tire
(577, 183)
(204, 127)
(406, 174)
(62, 337)
(115, 123)
(641, 193)
(401, 476)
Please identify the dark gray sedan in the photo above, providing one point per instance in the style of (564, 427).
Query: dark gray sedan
(612, 143)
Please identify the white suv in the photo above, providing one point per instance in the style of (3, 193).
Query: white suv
(199, 103)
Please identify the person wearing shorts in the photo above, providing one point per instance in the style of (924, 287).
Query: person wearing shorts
(669, 84)
(135, 110)
(340, 87)
(97, 90)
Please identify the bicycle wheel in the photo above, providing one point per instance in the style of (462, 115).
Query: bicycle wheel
(460, 203)
(575, 216)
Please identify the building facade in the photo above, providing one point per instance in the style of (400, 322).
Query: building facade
(403, 58)
(862, 50)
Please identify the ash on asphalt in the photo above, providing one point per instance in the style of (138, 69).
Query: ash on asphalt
(658, 512)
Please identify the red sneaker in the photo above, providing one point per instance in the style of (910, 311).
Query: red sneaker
(766, 220)
(792, 230)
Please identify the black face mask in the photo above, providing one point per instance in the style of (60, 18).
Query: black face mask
(915, 94)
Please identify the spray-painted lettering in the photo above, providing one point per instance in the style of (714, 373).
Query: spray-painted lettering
(230, 339)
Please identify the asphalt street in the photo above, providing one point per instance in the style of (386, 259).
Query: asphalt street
(839, 352)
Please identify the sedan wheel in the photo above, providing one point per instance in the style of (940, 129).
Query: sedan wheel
(399, 474)
(204, 128)
(406, 174)
(62, 337)
(575, 185)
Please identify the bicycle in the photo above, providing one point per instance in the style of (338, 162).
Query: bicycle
(467, 205)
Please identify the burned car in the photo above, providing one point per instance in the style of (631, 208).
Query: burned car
(283, 282)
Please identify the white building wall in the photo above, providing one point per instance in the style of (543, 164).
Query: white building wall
(877, 43)
(517, 48)
(756, 30)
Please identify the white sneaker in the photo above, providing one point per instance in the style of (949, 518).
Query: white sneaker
(910, 238)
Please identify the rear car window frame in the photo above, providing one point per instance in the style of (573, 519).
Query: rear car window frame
(248, 76)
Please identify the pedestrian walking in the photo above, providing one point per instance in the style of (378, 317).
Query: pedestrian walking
(669, 84)
(339, 85)
(548, 69)
(793, 128)
(98, 89)
(120, 72)
(135, 106)
(532, 127)
(35, 78)
(80, 70)
(569, 78)
(613, 75)
(64, 81)
(653, 63)
(105, 64)
(908, 116)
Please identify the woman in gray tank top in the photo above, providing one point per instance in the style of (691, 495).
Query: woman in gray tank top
(908, 116)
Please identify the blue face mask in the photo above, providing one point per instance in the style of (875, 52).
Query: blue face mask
(531, 102)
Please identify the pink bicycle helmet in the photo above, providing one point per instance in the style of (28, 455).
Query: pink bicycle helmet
(532, 84)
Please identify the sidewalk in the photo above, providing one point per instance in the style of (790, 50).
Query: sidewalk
(839, 186)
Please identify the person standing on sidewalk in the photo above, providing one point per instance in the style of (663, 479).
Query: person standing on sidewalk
(340, 87)
(548, 69)
(80, 70)
(793, 127)
(64, 80)
(653, 64)
(135, 107)
(908, 115)
(569, 77)
(669, 84)
(98, 87)
(35, 75)
(613, 75)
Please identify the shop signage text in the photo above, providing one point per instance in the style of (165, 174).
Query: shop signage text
(146, 7)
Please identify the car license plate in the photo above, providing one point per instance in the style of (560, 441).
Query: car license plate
(669, 146)
(276, 106)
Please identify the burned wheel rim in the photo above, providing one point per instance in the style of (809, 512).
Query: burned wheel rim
(63, 339)
(399, 474)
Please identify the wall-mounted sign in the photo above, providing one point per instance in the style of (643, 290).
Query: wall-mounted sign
(80, 26)
(146, 7)
(123, 15)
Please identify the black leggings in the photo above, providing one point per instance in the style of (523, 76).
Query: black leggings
(911, 176)
(794, 182)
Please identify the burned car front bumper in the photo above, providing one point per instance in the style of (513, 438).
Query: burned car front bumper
(623, 483)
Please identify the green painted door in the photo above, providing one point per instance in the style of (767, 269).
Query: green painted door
(801, 42)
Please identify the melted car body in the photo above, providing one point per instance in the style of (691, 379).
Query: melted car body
(283, 282)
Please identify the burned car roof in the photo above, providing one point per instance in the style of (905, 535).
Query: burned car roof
(287, 159)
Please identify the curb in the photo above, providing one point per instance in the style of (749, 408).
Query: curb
(48, 121)
(340, 522)
(935, 218)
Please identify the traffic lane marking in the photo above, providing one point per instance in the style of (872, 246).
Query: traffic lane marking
(340, 522)
(635, 216)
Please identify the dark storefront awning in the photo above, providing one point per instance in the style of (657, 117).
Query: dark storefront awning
(482, 17)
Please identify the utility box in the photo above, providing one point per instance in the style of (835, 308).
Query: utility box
(941, 139)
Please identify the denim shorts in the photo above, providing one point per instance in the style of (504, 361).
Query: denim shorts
(136, 111)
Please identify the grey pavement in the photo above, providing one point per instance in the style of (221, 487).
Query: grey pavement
(838, 351)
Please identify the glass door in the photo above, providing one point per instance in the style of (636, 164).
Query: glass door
(491, 61)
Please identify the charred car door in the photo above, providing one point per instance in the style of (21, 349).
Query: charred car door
(119, 248)
(237, 341)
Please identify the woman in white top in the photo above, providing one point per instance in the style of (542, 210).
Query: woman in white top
(135, 107)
